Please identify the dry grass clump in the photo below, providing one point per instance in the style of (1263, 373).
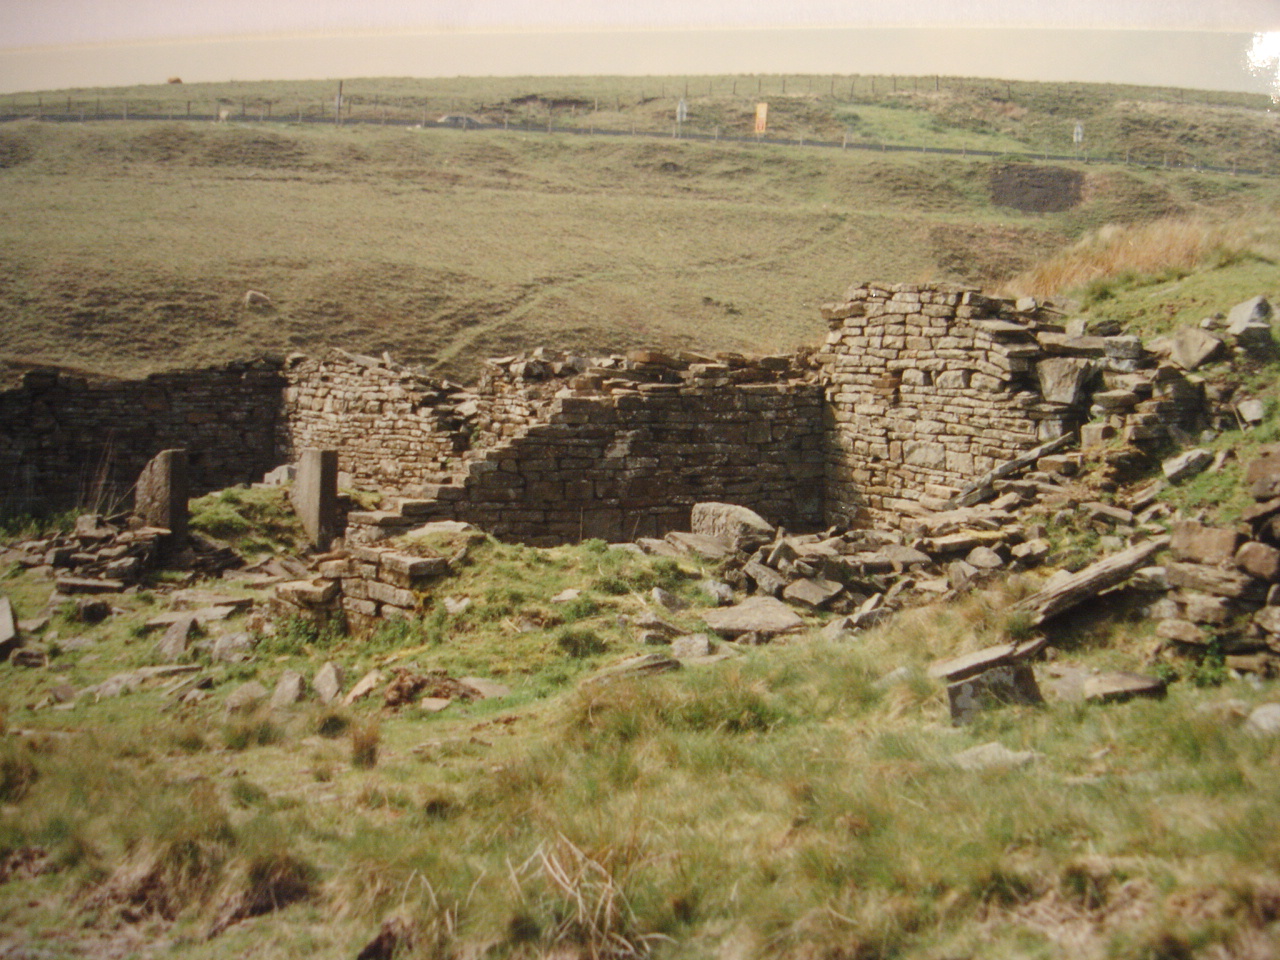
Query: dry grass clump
(1160, 246)
(364, 744)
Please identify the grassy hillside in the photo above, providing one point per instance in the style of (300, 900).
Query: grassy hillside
(128, 247)
(1154, 125)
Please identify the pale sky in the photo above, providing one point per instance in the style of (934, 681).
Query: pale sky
(54, 44)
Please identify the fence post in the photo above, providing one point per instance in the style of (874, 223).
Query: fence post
(124, 113)
(39, 108)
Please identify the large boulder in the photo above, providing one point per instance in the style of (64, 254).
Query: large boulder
(1249, 323)
(741, 526)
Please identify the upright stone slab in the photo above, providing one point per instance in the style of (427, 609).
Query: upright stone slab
(315, 496)
(160, 497)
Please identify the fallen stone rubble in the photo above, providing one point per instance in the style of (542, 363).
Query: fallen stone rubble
(105, 555)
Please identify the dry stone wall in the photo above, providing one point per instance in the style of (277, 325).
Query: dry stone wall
(68, 441)
(918, 392)
(626, 450)
(392, 426)
(928, 388)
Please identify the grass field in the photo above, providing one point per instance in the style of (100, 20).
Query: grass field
(798, 800)
(129, 247)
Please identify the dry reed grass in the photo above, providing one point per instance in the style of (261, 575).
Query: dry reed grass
(1115, 250)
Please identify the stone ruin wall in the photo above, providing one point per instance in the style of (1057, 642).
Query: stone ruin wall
(392, 426)
(927, 390)
(918, 391)
(396, 427)
(629, 464)
(69, 441)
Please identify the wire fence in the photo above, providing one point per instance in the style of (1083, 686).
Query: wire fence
(564, 115)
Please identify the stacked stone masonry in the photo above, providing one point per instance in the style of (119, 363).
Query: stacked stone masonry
(625, 451)
(67, 440)
(918, 391)
(930, 387)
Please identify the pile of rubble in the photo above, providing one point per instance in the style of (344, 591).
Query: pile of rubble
(101, 555)
(369, 584)
(1224, 582)
(643, 371)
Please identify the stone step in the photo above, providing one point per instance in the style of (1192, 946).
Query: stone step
(385, 519)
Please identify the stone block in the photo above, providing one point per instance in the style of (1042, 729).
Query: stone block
(1000, 686)
(1259, 560)
(386, 593)
(1192, 347)
(1262, 476)
(739, 525)
(315, 496)
(1217, 581)
(160, 498)
(1063, 379)
(1198, 543)
(1186, 464)
(307, 593)
(764, 616)
(404, 570)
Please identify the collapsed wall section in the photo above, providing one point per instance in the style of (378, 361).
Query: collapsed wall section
(928, 388)
(70, 441)
(616, 459)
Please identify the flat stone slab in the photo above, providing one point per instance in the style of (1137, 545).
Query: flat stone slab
(195, 598)
(1182, 631)
(760, 615)
(994, 756)
(642, 665)
(308, 593)
(970, 664)
(486, 689)
(1118, 686)
(1215, 580)
(712, 548)
(812, 591)
(1013, 683)
(74, 585)
(1186, 464)
(364, 686)
(660, 548)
